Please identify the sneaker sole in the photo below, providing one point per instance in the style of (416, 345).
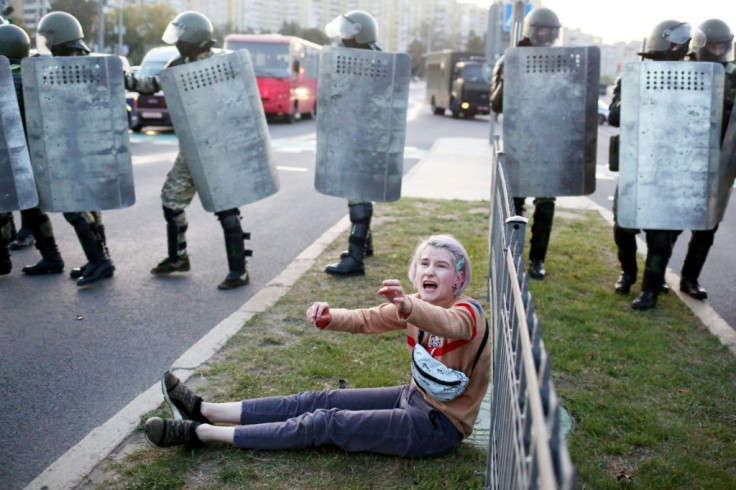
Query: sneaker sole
(174, 410)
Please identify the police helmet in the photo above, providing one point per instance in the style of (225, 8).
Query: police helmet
(541, 27)
(718, 42)
(356, 24)
(192, 28)
(59, 30)
(14, 42)
(669, 40)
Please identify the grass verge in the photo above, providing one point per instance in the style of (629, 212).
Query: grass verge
(651, 393)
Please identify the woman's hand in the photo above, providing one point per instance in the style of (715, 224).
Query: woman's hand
(393, 292)
(319, 314)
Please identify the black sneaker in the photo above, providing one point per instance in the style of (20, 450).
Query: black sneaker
(184, 403)
(166, 432)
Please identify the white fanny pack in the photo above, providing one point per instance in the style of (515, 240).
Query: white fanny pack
(434, 378)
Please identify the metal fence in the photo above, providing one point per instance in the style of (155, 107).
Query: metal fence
(526, 448)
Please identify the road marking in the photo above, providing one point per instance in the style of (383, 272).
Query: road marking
(299, 144)
(291, 169)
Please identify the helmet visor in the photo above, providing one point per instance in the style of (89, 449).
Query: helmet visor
(342, 27)
(680, 34)
(44, 43)
(173, 32)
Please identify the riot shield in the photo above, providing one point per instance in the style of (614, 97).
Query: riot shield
(216, 110)
(17, 186)
(550, 119)
(78, 132)
(361, 123)
(669, 153)
(727, 166)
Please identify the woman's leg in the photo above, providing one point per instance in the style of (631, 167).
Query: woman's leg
(411, 428)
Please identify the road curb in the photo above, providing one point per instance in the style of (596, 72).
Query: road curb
(72, 467)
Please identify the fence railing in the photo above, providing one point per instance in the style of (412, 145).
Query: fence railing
(526, 448)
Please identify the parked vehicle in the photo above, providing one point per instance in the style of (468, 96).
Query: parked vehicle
(151, 110)
(287, 71)
(455, 81)
(602, 112)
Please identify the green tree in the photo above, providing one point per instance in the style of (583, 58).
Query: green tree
(416, 50)
(315, 35)
(476, 44)
(144, 26)
(290, 29)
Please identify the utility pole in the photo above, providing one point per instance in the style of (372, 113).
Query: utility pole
(101, 32)
(121, 29)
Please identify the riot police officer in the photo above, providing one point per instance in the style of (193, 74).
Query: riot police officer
(356, 29)
(192, 33)
(15, 45)
(541, 28)
(668, 41)
(61, 34)
(717, 47)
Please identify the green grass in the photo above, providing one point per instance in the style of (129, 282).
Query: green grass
(651, 393)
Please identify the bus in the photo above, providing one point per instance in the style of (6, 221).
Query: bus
(287, 70)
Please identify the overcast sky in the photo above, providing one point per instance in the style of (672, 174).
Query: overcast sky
(632, 20)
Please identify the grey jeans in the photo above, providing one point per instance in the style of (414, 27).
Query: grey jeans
(394, 420)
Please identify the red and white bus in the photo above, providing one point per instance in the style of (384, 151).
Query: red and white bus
(287, 70)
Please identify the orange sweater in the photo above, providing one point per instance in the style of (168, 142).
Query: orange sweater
(455, 334)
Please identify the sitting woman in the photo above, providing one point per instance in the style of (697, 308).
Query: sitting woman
(447, 336)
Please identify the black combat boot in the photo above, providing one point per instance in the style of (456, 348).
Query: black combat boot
(235, 249)
(176, 241)
(352, 265)
(544, 213)
(6, 220)
(99, 265)
(645, 301)
(5, 264)
(624, 282)
(368, 247)
(697, 252)
(625, 240)
(51, 261)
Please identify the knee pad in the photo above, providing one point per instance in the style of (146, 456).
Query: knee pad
(360, 212)
(176, 217)
(75, 219)
(229, 219)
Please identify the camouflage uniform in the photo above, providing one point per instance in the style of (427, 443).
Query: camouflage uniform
(177, 193)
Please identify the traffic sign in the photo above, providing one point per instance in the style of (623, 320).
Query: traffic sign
(508, 14)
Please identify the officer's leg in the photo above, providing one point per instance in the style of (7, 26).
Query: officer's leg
(625, 240)
(519, 206)
(697, 252)
(99, 265)
(544, 213)
(659, 244)
(177, 259)
(360, 218)
(235, 249)
(24, 237)
(43, 232)
(176, 194)
(5, 233)
(99, 229)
